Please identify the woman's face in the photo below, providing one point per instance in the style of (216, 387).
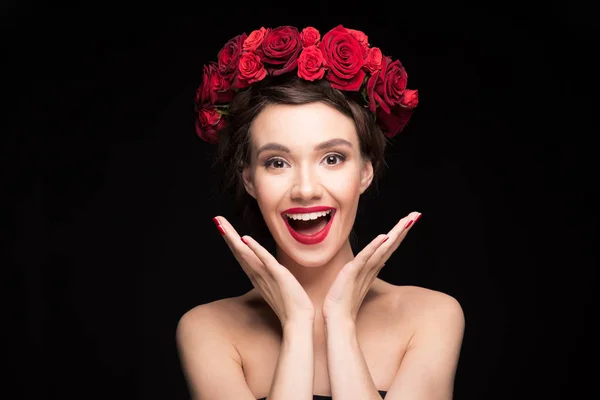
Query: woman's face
(306, 156)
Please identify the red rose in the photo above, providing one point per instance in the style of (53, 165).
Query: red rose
(410, 98)
(345, 57)
(386, 87)
(208, 123)
(229, 55)
(280, 49)
(393, 122)
(310, 36)
(214, 88)
(311, 64)
(250, 70)
(395, 83)
(255, 39)
(372, 96)
(373, 60)
(361, 37)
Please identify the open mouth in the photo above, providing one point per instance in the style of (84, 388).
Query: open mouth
(310, 228)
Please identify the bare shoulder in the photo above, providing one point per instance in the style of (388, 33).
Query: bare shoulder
(230, 316)
(200, 322)
(434, 323)
(218, 314)
(422, 305)
(210, 360)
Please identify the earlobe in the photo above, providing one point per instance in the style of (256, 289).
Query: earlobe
(366, 176)
(248, 185)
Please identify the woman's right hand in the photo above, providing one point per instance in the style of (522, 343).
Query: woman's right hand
(277, 285)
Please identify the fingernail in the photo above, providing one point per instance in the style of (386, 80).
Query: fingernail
(409, 223)
(386, 238)
(244, 240)
(418, 216)
(219, 227)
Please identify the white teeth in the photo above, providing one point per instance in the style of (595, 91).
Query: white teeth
(308, 216)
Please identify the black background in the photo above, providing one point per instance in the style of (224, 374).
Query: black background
(110, 193)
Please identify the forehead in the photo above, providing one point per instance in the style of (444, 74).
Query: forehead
(301, 126)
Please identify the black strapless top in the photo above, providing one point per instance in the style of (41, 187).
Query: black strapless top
(317, 397)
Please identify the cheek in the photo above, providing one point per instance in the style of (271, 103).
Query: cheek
(344, 188)
(269, 190)
(347, 188)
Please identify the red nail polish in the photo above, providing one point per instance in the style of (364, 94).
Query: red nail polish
(244, 240)
(216, 221)
(221, 230)
(418, 216)
(409, 223)
(386, 238)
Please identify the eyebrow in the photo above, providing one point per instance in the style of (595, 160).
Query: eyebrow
(321, 146)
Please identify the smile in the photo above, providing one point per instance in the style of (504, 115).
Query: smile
(309, 225)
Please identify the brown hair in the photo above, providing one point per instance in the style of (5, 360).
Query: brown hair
(234, 149)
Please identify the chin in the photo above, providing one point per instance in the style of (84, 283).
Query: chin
(310, 261)
(310, 256)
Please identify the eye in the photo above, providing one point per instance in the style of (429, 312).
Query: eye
(334, 159)
(275, 163)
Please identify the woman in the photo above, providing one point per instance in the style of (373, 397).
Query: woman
(301, 122)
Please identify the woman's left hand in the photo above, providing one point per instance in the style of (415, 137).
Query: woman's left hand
(354, 280)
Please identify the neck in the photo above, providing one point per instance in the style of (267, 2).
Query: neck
(316, 280)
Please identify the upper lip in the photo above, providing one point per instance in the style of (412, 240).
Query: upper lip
(304, 210)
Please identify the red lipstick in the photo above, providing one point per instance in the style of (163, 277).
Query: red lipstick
(309, 239)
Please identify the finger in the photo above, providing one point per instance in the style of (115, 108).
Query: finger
(414, 217)
(266, 258)
(369, 261)
(365, 254)
(245, 257)
(404, 224)
(398, 233)
(409, 222)
(229, 233)
(385, 251)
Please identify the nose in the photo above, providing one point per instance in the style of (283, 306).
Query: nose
(306, 185)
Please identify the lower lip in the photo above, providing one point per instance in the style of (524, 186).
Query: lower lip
(310, 239)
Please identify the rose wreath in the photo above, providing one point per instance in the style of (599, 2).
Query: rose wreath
(343, 57)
